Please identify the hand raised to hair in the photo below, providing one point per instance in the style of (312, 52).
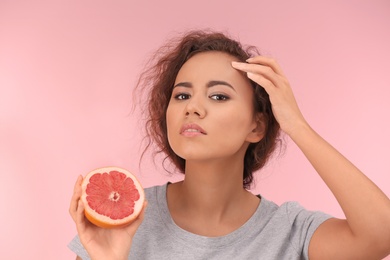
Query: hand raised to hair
(267, 73)
(102, 243)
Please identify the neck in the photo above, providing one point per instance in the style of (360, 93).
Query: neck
(211, 200)
(211, 187)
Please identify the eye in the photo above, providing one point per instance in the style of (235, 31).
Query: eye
(219, 97)
(182, 96)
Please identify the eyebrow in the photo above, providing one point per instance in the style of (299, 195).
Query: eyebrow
(210, 84)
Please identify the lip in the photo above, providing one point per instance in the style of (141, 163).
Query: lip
(192, 130)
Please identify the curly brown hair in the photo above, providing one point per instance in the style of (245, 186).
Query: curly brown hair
(158, 79)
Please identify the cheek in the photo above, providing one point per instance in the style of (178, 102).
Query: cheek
(238, 120)
(168, 120)
(170, 115)
(171, 118)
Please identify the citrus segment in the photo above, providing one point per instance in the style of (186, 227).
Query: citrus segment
(112, 197)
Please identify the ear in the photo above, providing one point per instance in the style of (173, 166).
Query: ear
(258, 130)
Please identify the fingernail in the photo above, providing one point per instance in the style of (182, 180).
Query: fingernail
(249, 59)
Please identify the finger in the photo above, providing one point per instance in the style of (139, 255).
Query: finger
(80, 218)
(132, 228)
(141, 215)
(263, 82)
(270, 62)
(75, 198)
(263, 70)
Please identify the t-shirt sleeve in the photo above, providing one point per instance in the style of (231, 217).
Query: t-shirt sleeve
(76, 246)
(303, 225)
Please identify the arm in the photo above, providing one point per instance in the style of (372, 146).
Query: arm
(365, 233)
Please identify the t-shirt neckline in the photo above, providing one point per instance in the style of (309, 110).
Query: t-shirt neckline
(202, 241)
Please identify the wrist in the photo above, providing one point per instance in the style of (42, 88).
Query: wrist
(300, 129)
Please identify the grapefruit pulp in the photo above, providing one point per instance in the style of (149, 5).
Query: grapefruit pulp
(112, 197)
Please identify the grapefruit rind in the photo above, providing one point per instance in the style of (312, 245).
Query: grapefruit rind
(104, 221)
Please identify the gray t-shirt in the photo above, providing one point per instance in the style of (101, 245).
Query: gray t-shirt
(272, 232)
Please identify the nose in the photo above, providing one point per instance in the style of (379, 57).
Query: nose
(195, 107)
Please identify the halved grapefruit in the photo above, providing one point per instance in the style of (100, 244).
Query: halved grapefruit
(112, 197)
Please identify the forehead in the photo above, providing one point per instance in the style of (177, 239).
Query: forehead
(212, 65)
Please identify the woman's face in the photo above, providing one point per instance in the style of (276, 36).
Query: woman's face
(210, 114)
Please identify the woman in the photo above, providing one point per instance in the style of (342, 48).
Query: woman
(216, 114)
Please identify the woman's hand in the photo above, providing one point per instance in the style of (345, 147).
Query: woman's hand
(268, 74)
(102, 243)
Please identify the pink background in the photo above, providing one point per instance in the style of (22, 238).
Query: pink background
(67, 70)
